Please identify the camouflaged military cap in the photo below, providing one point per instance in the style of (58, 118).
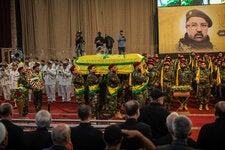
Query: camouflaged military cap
(198, 13)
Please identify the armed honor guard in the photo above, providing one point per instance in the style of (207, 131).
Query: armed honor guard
(139, 84)
(220, 80)
(79, 85)
(50, 81)
(167, 79)
(113, 87)
(93, 82)
(154, 78)
(204, 84)
(183, 77)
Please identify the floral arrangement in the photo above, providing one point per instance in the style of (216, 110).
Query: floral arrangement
(35, 80)
(19, 94)
(181, 88)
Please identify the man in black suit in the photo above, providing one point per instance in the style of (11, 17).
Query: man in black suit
(181, 128)
(15, 133)
(3, 137)
(155, 115)
(132, 111)
(168, 139)
(211, 136)
(40, 138)
(85, 136)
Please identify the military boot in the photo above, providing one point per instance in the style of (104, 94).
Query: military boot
(200, 107)
(206, 107)
(185, 107)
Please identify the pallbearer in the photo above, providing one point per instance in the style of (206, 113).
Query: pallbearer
(79, 84)
(113, 87)
(93, 82)
(139, 84)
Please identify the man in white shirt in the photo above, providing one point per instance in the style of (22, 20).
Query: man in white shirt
(50, 81)
(65, 82)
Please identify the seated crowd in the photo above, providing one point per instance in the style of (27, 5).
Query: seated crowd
(147, 127)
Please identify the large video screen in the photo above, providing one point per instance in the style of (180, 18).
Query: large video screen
(186, 28)
(167, 3)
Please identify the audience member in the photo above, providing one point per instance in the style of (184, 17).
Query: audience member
(15, 133)
(211, 136)
(132, 111)
(60, 138)
(155, 115)
(113, 136)
(168, 139)
(41, 138)
(85, 136)
(3, 137)
(181, 129)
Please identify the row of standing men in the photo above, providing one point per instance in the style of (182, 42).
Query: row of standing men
(109, 92)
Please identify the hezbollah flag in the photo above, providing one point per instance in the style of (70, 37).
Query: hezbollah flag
(124, 63)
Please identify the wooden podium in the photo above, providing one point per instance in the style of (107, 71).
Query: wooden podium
(181, 91)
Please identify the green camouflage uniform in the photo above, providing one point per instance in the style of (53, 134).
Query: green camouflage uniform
(222, 85)
(93, 94)
(79, 84)
(184, 78)
(140, 81)
(112, 104)
(38, 93)
(205, 79)
(154, 78)
(168, 82)
(22, 82)
(158, 65)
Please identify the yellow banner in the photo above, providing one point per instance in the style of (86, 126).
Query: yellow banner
(124, 63)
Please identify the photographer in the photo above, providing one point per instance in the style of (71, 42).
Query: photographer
(79, 44)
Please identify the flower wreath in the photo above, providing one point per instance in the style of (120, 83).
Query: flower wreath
(181, 88)
(18, 94)
(34, 80)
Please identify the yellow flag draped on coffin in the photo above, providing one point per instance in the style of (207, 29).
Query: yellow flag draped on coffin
(124, 63)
